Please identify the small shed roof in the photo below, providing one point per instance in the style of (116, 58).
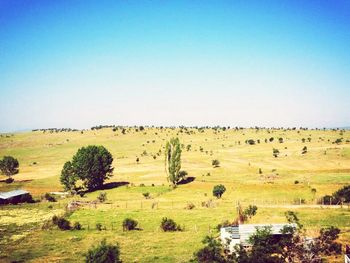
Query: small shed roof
(10, 194)
(243, 232)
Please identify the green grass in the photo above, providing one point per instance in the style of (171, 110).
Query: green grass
(325, 167)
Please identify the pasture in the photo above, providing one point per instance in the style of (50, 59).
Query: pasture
(250, 173)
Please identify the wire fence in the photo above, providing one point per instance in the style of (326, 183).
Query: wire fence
(164, 204)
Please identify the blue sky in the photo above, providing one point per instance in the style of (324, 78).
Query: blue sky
(239, 63)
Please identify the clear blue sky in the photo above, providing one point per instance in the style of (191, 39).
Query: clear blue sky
(82, 63)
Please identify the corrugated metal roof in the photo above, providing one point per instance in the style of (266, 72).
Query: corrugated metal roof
(7, 195)
(243, 232)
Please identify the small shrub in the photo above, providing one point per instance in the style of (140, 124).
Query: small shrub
(250, 211)
(49, 197)
(102, 197)
(190, 206)
(215, 163)
(169, 225)
(9, 180)
(77, 226)
(296, 182)
(61, 222)
(275, 152)
(129, 224)
(250, 142)
(208, 204)
(304, 150)
(99, 226)
(103, 253)
(223, 224)
(146, 195)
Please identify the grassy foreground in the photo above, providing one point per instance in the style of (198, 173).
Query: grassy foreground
(284, 182)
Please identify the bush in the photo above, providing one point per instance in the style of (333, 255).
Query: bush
(102, 197)
(215, 163)
(9, 180)
(190, 206)
(223, 224)
(99, 226)
(129, 224)
(250, 211)
(250, 142)
(211, 252)
(146, 195)
(296, 182)
(61, 222)
(275, 152)
(304, 150)
(169, 225)
(219, 190)
(103, 253)
(77, 226)
(49, 197)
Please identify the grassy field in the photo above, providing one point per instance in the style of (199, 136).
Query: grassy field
(284, 181)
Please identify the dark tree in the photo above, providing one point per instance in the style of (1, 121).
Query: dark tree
(304, 150)
(9, 166)
(68, 178)
(129, 224)
(212, 252)
(275, 152)
(91, 164)
(219, 190)
(215, 163)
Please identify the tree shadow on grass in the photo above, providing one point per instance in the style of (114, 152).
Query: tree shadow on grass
(113, 185)
(187, 180)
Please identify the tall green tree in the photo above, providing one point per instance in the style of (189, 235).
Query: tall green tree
(91, 164)
(68, 177)
(9, 166)
(173, 160)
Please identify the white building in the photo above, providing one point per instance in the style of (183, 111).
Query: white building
(234, 235)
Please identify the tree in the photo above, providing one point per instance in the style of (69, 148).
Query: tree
(173, 160)
(129, 224)
(275, 152)
(68, 178)
(103, 253)
(169, 225)
(219, 190)
(343, 194)
(325, 243)
(215, 163)
(250, 211)
(304, 150)
(9, 166)
(212, 252)
(91, 164)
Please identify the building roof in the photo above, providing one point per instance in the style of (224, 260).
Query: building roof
(10, 194)
(243, 232)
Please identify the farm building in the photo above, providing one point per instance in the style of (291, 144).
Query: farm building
(14, 197)
(235, 235)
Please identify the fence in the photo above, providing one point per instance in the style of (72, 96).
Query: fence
(205, 203)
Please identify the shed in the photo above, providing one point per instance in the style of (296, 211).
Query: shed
(235, 235)
(13, 197)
